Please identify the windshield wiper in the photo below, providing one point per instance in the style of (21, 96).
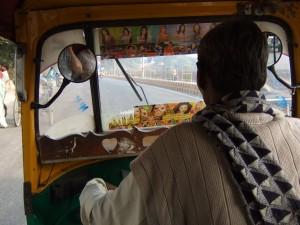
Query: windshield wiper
(131, 81)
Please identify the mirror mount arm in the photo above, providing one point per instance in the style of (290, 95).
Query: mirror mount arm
(35, 105)
(292, 88)
(128, 78)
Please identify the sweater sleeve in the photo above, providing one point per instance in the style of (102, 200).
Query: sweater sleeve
(121, 206)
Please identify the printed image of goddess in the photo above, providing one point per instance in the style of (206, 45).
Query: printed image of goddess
(196, 32)
(107, 39)
(163, 35)
(179, 35)
(126, 37)
(144, 36)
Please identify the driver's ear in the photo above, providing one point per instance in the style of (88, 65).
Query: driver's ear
(201, 79)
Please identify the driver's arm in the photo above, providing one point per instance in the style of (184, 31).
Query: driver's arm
(121, 206)
(75, 63)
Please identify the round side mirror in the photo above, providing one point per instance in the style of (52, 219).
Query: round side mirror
(77, 63)
(274, 47)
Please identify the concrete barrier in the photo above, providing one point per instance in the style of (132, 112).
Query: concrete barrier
(180, 86)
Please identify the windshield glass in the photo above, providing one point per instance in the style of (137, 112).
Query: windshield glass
(155, 85)
(166, 82)
(161, 59)
(75, 100)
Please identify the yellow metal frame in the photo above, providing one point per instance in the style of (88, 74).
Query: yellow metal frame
(30, 27)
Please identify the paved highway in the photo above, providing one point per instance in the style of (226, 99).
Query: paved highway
(11, 173)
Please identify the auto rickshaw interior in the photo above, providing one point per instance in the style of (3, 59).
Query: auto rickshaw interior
(143, 82)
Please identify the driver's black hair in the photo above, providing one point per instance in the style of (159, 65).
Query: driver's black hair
(234, 56)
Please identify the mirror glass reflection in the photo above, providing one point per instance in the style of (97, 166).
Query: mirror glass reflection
(275, 48)
(77, 63)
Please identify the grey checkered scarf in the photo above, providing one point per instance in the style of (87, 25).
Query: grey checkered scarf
(268, 195)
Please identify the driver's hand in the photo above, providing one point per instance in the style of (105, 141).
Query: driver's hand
(110, 186)
(101, 184)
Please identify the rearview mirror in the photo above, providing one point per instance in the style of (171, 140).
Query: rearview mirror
(274, 47)
(77, 63)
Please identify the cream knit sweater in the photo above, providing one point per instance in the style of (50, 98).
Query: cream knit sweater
(184, 178)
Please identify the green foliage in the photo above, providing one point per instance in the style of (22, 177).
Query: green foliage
(7, 54)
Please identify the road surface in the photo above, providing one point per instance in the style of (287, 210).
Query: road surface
(11, 173)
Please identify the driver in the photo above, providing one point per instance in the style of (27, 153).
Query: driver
(237, 162)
